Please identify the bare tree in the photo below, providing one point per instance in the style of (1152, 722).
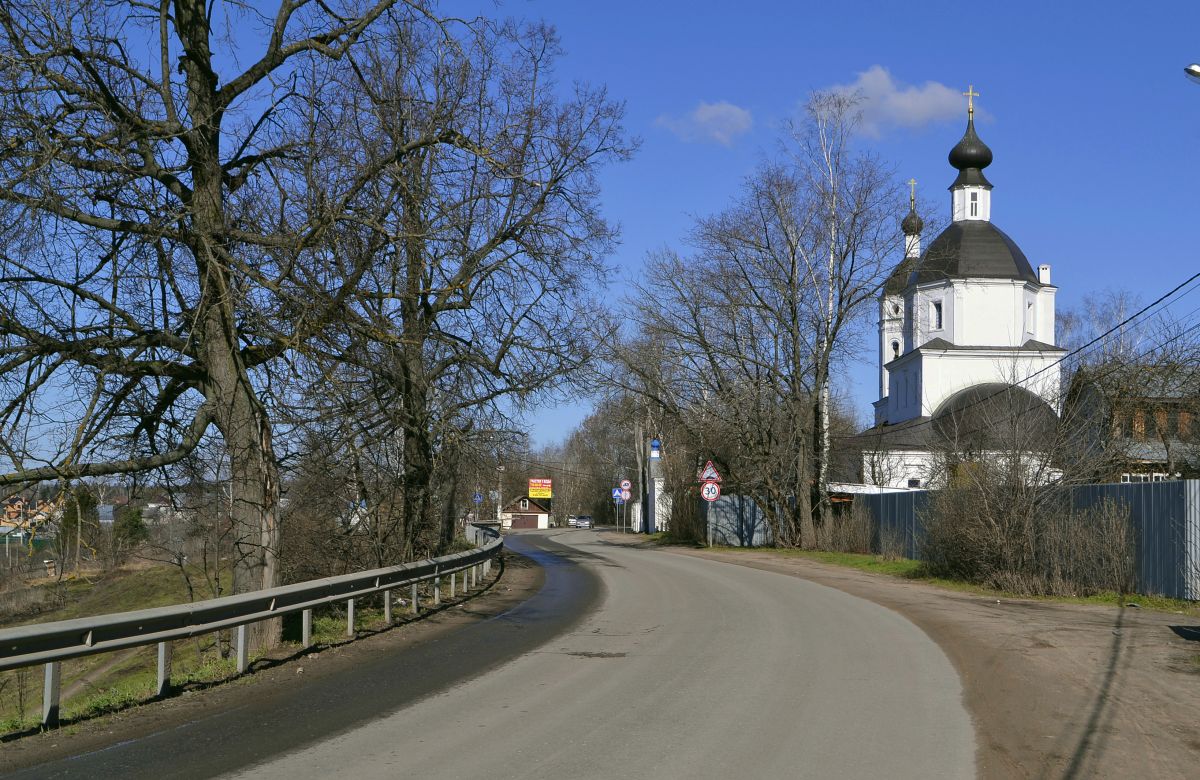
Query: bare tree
(159, 219)
(480, 254)
(751, 326)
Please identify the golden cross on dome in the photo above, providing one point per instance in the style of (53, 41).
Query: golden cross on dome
(971, 94)
(912, 194)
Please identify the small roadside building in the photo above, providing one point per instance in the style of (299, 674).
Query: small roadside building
(524, 512)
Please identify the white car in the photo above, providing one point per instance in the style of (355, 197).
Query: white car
(572, 520)
(583, 522)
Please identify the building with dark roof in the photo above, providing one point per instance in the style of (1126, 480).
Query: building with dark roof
(1135, 423)
(967, 354)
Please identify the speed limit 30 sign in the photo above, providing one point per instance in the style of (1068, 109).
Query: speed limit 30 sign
(710, 491)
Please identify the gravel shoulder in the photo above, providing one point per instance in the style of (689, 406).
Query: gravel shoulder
(1055, 690)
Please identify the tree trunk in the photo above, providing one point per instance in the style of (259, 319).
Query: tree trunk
(254, 486)
(822, 509)
(238, 412)
(418, 475)
(449, 516)
(803, 509)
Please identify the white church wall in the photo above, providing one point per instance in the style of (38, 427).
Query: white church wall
(970, 203)
(926, 470)
(996, 309)
(891, 331)
(1045, 304)
(925, 300)
(903, 469)
(944, 373)
(904, 397)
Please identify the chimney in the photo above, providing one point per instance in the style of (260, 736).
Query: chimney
(1044, 274)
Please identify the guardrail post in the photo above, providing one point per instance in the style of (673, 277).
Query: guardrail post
(387, 607)
(306, 628)
(243, 648)
(413, 608)
(349, 617)
(50, 693)
(437, 590)
(475, 576)
(452, 578)
(164, 669)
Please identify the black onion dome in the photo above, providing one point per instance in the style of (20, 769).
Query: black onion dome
(912, 225)
(970, 156)
(973, 249)
(995, 415)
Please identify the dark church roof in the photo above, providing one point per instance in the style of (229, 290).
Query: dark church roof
(995, 415)
(973, 248)
(990, 416)
(898, 280)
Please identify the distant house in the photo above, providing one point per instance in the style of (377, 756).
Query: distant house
(1137, 423)
(524, 512)
(25, 518)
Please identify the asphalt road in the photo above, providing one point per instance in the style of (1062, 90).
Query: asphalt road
(684, 668)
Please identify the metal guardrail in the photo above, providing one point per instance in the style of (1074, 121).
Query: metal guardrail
(52, 643)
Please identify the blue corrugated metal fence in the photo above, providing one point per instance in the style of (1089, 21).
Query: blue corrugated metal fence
(1165, 517)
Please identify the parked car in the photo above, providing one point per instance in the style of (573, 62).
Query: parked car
(572, 520)
(584, 521)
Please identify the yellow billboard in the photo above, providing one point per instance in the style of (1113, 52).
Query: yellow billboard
(540, 488)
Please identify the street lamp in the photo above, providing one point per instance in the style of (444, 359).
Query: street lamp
(1193, 72)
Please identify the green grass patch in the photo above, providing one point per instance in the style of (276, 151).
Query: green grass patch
(665, 537)
(118, 695)
(210, 669)
(915, 570)
(122, 590)
(894, 567)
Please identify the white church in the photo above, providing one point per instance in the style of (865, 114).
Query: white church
(967, 358)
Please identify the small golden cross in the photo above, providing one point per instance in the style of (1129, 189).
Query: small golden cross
(971, 94)
(912, 194)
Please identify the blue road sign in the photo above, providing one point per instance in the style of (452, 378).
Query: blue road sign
(477, 498)
(616, 493)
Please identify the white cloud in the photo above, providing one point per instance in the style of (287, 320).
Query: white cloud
(721, 122)
(887, 102)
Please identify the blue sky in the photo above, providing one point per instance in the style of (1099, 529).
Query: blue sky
(1095, 129)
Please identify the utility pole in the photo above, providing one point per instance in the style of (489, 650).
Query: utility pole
(641, 470)
(499, 492)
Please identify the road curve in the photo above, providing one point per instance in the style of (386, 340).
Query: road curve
(687, 668)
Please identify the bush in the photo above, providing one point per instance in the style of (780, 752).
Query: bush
(849, 532)
(1027, 541)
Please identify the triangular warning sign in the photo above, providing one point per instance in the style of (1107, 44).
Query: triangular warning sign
(709, 474)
